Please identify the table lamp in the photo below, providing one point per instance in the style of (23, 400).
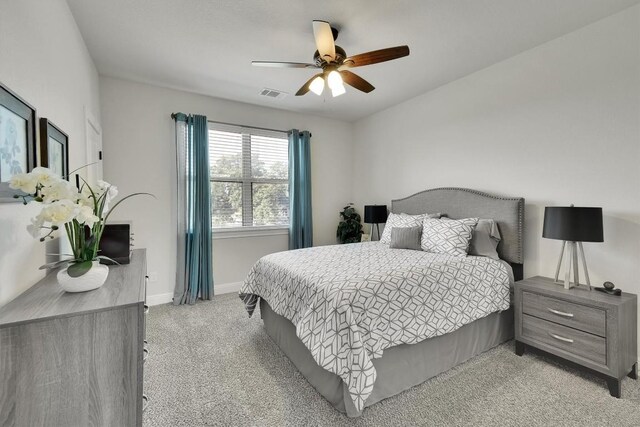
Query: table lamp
(573, 225)
(375, 214)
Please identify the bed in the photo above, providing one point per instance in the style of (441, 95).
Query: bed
(363, 322)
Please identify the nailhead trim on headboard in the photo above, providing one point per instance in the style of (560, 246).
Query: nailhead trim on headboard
(519, 250)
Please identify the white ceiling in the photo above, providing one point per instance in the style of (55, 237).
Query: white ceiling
(206, 46)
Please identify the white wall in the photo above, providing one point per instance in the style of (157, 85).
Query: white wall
(44, 60)
(139, 155)
(557, 124)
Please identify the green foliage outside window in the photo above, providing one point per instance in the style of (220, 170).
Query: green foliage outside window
(270, 200)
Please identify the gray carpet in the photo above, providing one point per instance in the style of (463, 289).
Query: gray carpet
(212, 365)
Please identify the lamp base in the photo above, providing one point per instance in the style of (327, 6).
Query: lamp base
(573, 249)
(571, 284)
(377, 229)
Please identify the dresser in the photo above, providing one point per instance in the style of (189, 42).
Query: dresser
(588, 329)
(75, 359)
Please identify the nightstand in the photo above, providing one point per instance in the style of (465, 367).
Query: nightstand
(589, 329)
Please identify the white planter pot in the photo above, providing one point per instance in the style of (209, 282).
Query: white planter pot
(92, 279)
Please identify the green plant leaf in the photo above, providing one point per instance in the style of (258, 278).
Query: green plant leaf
(350, 227)
(78, 269)
(55, 264)
(122, 200)
(108, 259)
(81, 167)
(93, 195)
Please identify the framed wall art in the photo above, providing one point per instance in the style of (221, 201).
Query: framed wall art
(17, 140)
(54, 148)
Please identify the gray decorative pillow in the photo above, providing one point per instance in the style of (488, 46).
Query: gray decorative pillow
(485, 239)
(406, 238)
(447, 236)
(402, 220)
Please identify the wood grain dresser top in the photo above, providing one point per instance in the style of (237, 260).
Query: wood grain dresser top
(46, 299)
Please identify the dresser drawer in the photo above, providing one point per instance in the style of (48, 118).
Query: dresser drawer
(578, 343)
(582, 317)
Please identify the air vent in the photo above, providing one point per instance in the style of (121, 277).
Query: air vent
(272, 93)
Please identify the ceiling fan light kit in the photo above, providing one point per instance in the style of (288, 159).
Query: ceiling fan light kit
(334, 81)
(334, 63)
(317, 85)
(338, 90)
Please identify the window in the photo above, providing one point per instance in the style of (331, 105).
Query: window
(249, 177)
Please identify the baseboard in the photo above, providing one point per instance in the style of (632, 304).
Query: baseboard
(159, 299)
(225, 288)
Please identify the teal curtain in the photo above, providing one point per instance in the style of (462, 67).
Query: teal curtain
(194, 272)
(300, 223)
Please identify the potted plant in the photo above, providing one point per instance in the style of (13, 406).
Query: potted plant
(82, 212)
(349, 228)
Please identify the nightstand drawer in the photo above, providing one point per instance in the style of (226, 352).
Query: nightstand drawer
(582, 317)
(578, 343)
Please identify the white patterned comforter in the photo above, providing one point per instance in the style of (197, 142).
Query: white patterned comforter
(350, 302)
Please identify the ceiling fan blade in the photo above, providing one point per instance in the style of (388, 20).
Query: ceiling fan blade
(324, 40)
(376, 56)
(356, 81)
(305, 87)
(282, 64)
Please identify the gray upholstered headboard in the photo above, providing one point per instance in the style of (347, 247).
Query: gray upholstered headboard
(455, 203)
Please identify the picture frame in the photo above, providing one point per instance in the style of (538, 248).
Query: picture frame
(54, 148)
(17, 140)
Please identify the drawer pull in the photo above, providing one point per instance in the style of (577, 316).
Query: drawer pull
(558, 337)
(560, 313)
(146, 309)
(145, 354)
(145, 402)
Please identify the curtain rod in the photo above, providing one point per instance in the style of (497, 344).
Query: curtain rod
(243, 126)
(251, 127)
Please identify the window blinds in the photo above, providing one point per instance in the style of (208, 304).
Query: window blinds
(249, 174)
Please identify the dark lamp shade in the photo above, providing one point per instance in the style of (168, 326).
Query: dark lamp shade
(574, 224)
(375, 214)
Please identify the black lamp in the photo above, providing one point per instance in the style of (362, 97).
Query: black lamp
(375, 214)
(573, 225)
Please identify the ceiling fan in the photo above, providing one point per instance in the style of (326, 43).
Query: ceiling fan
(333, 61)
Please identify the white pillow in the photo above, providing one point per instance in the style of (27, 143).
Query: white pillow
(447, 236)
(403, 220)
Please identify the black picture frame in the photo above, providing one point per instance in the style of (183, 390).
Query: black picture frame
(54, 148)
(17, 140)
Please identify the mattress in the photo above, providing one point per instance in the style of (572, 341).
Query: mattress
(349, 303)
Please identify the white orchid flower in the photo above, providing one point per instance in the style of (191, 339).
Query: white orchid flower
(35, 227)
(85, 199)
(64, 206)
(59, 212)
(112, 193)
(112, 190)
(86, 216)
(24, 182)
(45, 176)
(59, 191)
